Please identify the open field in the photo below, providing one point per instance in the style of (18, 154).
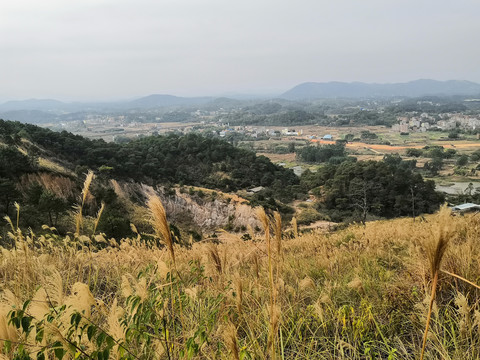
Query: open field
(398, 148)
(107, 131)
(278, 158)
(358, 293)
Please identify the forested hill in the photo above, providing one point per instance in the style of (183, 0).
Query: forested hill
(190, 160)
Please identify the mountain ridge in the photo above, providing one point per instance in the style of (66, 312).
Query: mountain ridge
(303, 91)
(415, 88)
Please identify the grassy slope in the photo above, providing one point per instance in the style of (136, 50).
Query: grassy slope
(356, 293)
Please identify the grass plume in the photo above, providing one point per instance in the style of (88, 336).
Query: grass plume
(262, 216)
(435, 253)
(295, 227)
(160, 224)
(83, 198)
(277, 226)
(97, 219)
(327, 300)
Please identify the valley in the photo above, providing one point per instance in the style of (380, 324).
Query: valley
(305, 232)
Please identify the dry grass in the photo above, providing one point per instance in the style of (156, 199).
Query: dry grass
(53, 166)
(435, 252)
(79, 208)
(62, 187)
(358, 293)
(160, 224)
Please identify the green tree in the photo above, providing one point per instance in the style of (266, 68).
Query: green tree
(434, 166)
(8, 195)
(414, 152)
(291, 147)
(462, 160)
(51, 205)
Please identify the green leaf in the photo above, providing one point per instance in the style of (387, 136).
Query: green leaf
(26, 321)
(39, 333)
(72, 347)
(59, 353)
(41, 355)
(25, 305)
(121, 352)
(106, 354)
(75, 319)
(100, 339)
(7, 346)
(110, 342)
(91, 332)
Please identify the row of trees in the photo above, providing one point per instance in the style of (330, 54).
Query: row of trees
(321, 154)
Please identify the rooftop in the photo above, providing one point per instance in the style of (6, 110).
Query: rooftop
(466, 206)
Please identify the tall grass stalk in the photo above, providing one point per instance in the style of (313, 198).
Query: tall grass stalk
(230, 336)
(278, 235)
(79, 207)
(17, 206)
(295, 227)
(461, 278)
(262, 216)
(435, 253)
(97, 219)
(160, 224)
(162, 230)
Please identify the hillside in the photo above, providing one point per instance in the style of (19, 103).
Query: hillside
(359, 293)
(417, 88)
(44, 171)
(35, 163)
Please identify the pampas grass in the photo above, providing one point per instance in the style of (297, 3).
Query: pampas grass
(79, 208)
(97, 219)
(295, 227)
(277, 225)
(230, 337)
(332, 292)
(435, 253)
(262, 216)
(215, 257)
(160, 224)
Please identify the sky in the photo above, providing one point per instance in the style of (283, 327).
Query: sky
(80, 50)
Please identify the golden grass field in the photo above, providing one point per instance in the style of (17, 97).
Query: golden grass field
(356, 293)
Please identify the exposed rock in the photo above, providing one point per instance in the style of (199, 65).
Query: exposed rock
(207, 212)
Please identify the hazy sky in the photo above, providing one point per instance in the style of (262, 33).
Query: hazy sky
(108, 49)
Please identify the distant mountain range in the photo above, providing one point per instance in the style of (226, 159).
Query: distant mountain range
(306, 91)
(153, 101)
(147, 102)
(313, 90)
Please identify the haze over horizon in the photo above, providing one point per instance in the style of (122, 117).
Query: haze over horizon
(108, 50)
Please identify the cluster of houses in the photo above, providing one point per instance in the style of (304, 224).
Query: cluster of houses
(413, 124)
(256, 132)
(466, 121)
(446, 122)
(251, 131)
(262, 131)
